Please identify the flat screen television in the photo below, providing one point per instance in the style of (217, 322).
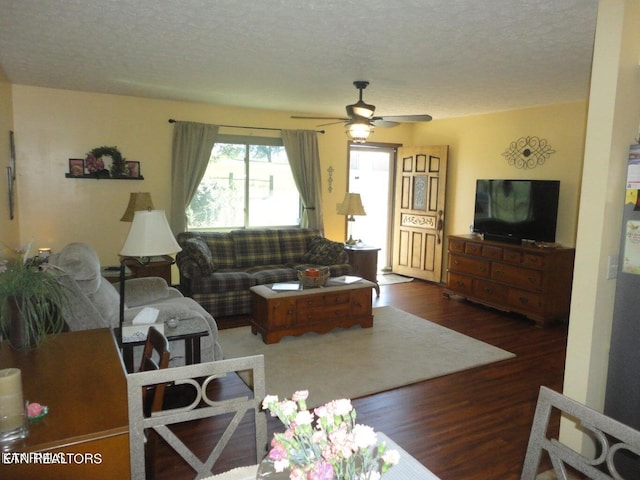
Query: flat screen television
(516, 210)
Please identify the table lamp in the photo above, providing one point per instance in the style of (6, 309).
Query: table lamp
(350, 206)
(149, 235)
(137, 201)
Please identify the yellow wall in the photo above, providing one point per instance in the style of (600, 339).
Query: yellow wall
(476, 144)
(55, 125)
(9, 229)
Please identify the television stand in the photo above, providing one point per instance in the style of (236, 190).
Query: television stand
(534, 281)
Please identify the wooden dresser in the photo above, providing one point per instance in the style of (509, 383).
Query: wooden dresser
(526, 279)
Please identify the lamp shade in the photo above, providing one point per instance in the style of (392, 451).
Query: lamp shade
(149, 236)
(351, 205)
(137, 201)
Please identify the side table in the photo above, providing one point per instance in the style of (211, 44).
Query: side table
(364, 262)
(189, 330)
(155, 267)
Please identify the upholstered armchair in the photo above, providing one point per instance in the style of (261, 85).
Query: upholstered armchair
(93, 302)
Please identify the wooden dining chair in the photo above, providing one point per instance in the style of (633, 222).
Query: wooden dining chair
(617, 445)
(155, 356)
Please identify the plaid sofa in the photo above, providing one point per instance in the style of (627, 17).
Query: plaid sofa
(217, 269)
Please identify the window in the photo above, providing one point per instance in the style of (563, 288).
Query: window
(248, 183)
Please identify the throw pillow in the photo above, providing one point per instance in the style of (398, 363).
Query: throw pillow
(323, 251)
(198, 249)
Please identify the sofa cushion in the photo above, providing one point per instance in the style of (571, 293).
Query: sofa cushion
(294, 242)
(272, 274)
(256, 247)
(222, 249)
(224, 282)
(323, 251)
(198, 249)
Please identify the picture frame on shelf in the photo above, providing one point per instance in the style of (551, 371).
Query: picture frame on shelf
(76, 167)
(132, 168)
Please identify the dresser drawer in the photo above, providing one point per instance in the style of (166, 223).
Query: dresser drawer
(460, 283)
(529, 301)
(517, 276)
(490, 291)
(472, 266)
(456, 245)
(494, 253)
(535, 261)
(512, 256)
(473, 249)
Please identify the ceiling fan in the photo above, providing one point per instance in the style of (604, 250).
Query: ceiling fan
(361, 120)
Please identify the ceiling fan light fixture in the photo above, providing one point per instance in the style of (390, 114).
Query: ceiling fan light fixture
(361, 109)
(359, 131)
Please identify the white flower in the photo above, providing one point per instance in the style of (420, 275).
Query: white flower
(268, 400)
(288, 408)
(304, 418)
(364, 436)
(280, 465)
(392, 457)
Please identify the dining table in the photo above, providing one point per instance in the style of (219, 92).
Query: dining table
(407, 468)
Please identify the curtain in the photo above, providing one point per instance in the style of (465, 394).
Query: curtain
(302, 150)
(192, 144)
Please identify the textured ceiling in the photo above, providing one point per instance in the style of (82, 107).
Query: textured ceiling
(443, 57)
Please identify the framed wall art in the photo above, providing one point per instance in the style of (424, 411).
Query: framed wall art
(132, 169)
(76, 167)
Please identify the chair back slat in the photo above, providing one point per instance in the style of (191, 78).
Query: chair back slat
(610, 437)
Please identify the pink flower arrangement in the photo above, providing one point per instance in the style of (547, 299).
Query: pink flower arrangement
(94, 164)
(327, 443)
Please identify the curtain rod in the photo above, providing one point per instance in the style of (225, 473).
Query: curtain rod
(171, 120)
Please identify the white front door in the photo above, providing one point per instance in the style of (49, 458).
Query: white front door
(421, 174)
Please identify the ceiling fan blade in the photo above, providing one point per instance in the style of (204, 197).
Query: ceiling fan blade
(341, 120)
(320, 118)
(406, 118)
(380, 122)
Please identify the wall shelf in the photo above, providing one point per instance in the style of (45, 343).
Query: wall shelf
(95, 177)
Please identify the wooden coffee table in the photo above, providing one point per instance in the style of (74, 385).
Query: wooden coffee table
(280, 313)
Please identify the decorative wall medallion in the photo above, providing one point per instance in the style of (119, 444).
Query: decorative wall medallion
(330, 179)
(528, 152)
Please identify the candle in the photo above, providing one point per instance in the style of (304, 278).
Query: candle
(312, 272)
(12, 413)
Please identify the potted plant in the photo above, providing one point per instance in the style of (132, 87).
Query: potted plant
(31, 299)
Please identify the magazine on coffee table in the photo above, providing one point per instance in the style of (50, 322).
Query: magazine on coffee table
(283, 287)
(346, 279)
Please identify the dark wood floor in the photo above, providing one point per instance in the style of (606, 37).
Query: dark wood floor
(472, 425)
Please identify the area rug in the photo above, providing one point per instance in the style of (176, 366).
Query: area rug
(399, 350)
(392, 278)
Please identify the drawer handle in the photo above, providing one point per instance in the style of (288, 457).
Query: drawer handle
(499, 273)
(456, 262)
(460, 283)
(524, 300)
(482, 269)
(488, 290)
(533, 280)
